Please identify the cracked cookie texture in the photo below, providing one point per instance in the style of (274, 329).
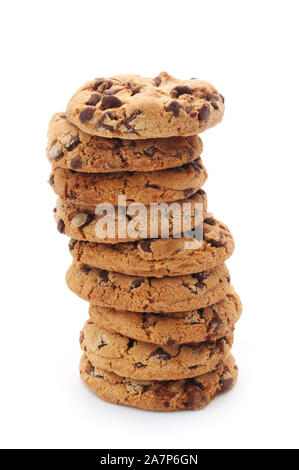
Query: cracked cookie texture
(148, 294)
(140, 187)
(68, 147)
(162, 256)
(134, 107)
(166, 395)
(140, 360)
(205, 324)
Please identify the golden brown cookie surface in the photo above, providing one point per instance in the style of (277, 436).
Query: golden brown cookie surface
(133, 107)
(69, 147)
(148, 294)
(159, 257)
(139, 360)
(206, 324)
(141, 187)
(184, 394)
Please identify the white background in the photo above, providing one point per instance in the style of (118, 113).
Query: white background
(249, 50)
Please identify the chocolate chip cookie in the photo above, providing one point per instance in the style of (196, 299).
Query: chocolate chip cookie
(148, 294)
(82, 223)
(133, 107)
(69, 147)
(139, 360)
(160, 257)
(205, 324)
(143, 187)
(185, 394)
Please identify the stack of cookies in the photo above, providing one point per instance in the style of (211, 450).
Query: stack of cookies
(162, 309)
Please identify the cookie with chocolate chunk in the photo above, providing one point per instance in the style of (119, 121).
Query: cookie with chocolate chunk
(148, 361)
(153, 395)
(142, 187)
(162, 256)
(83, 222)
(205, 324)
(69, 147)
(133, 107)
(148, 294)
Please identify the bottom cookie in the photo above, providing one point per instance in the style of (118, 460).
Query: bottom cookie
(153, 395)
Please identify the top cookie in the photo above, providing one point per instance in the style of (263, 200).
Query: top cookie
(133, 107)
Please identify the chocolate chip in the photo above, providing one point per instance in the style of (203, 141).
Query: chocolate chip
(94, 99)
(97, 83)
(161, 355)
(73, 142)
(103, 276)
(86, 114)
(131, 343)
(136, 283)
(215, 324)
(139, 365)
(188, 191)
(194, 318)
(51, 180)
(157, 80)
(149, 185)
(55, 151)
(191, 111)
(210, 221)
(134, 89)
(216, 243)
(170, 342)
(204, 113)
(201, 192)
(195, 383)
(128, 121)
(62, 116)
(60, 226)
(196, 166)
(228, 278)
(110, 102)
(148, 320)
(150, 151)
(166, 404)
(222, 98)
(102, 81)
(85, 269)
(213, 98)
(180, 90)
(72, 243)
(145, 245)
(101, 343)
(226, 383)
(118, 143)
(192, 367)
(174, 107)
(101, 122)
(200, 277)
(112, 91)
(90, 369)
(76, 163)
